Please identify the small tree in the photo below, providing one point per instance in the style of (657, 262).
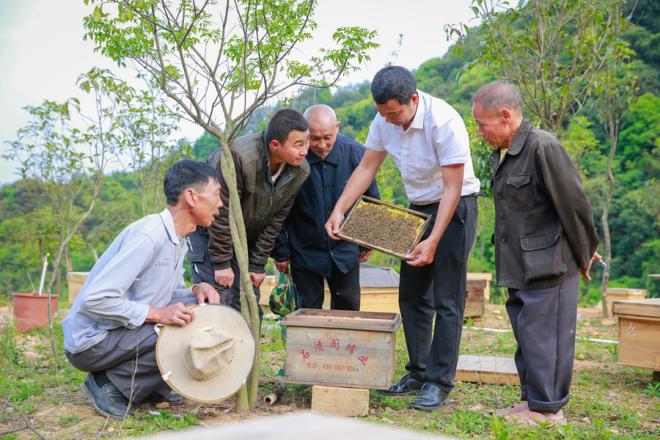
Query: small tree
(67, 151)
(554, 50)
(219, 61)
(148, 125)
(616, 91)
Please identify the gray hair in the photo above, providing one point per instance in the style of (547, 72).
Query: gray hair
(498, 94)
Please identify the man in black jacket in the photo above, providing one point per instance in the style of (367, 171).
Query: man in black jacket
(270, 168)
(544, 236)
(303, 242)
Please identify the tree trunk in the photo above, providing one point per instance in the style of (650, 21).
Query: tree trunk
(246, 398)
(605, 214)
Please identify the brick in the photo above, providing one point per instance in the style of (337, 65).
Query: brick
(340, 401)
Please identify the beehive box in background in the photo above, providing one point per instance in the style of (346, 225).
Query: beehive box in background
(621, 294)
(75, 281)
(475, 303)
(639, 332)
(341, 348)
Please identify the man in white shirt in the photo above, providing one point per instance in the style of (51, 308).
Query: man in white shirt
(429, 143)
(138, 282)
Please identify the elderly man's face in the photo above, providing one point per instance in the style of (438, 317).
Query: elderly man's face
(322, 136)
(493, 126)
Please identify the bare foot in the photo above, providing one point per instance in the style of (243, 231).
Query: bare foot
(513, 409)
(529, 417)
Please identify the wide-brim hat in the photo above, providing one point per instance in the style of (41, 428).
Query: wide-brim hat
(210, 358)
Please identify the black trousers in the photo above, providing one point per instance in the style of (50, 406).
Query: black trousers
(543, 322)
(202, 271)
(438, 291)
(344, 288)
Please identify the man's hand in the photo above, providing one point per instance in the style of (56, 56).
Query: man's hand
(224, 277)
(423, 253)
(206, 292)
(365, 254)
(257, 278)
(585, 270)
(333, 224)
(173, 314)
(282, 266)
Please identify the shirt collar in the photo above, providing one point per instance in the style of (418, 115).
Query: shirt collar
(331, 158)
(519, 139)
(168, 222)
(418, 120)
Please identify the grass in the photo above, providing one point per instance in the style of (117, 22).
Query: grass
(608, 401)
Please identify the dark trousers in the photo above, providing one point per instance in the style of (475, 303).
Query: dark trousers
(128, 358)
(202, 271)
(344, 288)
(438, 291)
(543, 322)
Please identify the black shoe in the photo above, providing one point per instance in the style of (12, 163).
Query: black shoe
(107, 400)
(172, 397)
(406, 385)
(430, 397)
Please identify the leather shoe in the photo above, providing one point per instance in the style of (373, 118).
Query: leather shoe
(406, 385)
(431, 397)
(107, 400)
(172, 397)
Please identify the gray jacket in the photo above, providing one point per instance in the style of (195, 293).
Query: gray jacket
(544, 228)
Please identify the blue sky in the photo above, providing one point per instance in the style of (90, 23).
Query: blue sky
(42, 51)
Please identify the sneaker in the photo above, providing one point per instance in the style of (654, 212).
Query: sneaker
(107, 400)
(406, 385)
(172, 397)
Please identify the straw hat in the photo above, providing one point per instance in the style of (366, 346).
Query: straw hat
(209, 359)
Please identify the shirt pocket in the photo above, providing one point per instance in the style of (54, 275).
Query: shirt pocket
(519, 193)
(542, 256)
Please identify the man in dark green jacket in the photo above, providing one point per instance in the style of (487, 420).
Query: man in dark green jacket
(544, 236)
(270, 169)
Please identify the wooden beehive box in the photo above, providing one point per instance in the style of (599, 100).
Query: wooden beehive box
(385, 222)
(620, 294)
(475, 303)
(341, 348)
(75, 281)
(639, 332)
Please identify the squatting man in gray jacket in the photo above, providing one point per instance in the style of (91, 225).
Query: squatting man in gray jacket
(138, 282)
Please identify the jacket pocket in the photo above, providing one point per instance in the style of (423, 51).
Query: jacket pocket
(518, 193)
(542, 256)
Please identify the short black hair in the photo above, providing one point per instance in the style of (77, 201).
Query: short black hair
(393, 82)
(284, 122)
(185, 174)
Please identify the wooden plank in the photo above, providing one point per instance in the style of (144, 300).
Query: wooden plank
(638, 307)
(376, 321)
(337, 401)
(487, 369)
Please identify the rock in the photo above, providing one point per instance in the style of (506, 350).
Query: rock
(162, 405)
(477, 408)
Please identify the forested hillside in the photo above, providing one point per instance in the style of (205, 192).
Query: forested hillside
(28, 228)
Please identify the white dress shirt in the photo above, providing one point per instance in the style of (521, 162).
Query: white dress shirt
(436, 137)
